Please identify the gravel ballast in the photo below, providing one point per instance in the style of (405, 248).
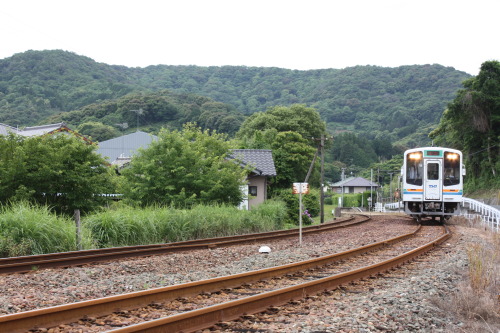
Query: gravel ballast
(399, 301)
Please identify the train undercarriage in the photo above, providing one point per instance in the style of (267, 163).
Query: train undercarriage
(433, 209)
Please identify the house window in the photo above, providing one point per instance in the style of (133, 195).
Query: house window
(252, 190)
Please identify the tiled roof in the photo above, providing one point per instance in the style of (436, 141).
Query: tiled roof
(355, 182)
(40, 130)
(259, 159)
(125, 145)
(6, 129)
(31, 131)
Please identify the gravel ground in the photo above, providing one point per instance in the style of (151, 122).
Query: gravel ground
(401, 301)
(397, 302)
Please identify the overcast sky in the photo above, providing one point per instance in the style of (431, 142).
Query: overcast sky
(310, 34)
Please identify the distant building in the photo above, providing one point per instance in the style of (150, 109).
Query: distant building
(261, 163)
(353, 185)
(33, 131)
(119, 151)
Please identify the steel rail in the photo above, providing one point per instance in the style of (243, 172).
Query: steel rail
(209, 316)
(66, 259)
(53, 316)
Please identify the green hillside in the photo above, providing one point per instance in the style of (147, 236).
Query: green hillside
(400, 104)
(150, 112)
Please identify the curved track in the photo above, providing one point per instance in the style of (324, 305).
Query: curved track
(66, 259)
(229, 310)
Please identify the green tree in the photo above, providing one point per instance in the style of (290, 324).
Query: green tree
(288, 132)
(61, 171)
(296, 118)
(353, 150)
(292, 155)
(184, 168)
(472, 123)
(98, 131)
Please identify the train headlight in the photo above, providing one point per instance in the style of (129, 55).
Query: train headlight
(415, 156)
(452, 156)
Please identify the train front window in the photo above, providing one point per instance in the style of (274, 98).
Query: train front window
(433, 171)
(414, 168)
(451, 169)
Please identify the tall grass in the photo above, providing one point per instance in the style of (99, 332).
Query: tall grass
(477, 300)
(27, 229)
(125, 225)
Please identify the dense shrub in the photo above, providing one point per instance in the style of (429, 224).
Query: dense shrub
(353, 199)
(310, 202)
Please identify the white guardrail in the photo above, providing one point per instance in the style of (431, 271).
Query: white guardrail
(471, 209)
(490, 216)
(394, 205)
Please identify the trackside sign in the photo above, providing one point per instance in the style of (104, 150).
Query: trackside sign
(300, 188)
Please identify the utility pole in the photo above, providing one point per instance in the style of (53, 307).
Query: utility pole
(371, 190)
(342, 177)
(123, 127)
(321, 150)
(322, 196)
(139, 113)
(390, 188)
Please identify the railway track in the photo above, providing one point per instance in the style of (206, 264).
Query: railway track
(226, 298)
(74, 258)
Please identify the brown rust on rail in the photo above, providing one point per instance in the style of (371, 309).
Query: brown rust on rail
(54, 316)
(209, 316)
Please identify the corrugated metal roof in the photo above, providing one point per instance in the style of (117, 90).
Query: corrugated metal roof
(355, 182)
(125, 145)
(260, 159)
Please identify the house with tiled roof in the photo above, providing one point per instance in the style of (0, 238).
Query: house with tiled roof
(261, 164)
(33, 131)
(6, 129)
(119, 151)
(353, 185)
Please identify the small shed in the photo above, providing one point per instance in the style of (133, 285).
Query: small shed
(353, 185)
(262, 165)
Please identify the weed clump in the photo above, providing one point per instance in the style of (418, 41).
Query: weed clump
(477, 299)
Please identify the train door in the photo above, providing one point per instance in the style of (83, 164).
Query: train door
(432, 180)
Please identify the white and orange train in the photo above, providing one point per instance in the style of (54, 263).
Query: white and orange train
(432, 182)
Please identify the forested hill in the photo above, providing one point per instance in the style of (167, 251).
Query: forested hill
(390, 102)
